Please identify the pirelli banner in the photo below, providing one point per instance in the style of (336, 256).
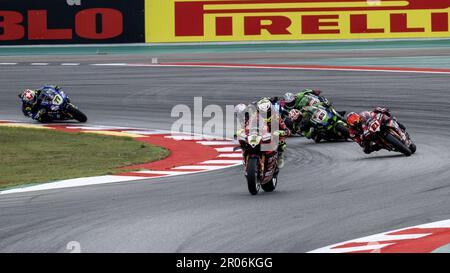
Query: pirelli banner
(265, 20)
(71, 21)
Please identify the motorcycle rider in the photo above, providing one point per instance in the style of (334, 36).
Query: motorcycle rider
(307, 97)
(306, 126)
(359, 130)
(302, 99)
(293, 121)
(31, 102)
(241, 114)
(266, 111)
(299, 123)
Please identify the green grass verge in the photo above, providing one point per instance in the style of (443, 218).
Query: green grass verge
(29, 156)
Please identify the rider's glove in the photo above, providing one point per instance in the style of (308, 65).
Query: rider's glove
(279, 133)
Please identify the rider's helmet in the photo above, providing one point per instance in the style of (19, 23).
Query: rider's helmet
(240, 109)
(383, 110)
(264, 107)
(366, 115)
(295, 114)
(353, 119)
(289, 99)
(312, 91)
(51, 86)
(316, 92)
(29, 96)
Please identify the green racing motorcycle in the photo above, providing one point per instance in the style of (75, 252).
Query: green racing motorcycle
(328, 124)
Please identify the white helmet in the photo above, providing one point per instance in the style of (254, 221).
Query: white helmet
(264, 105)
(289, 99)
(29, 95)
(240, 109)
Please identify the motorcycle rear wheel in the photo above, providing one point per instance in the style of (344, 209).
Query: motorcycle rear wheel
(252, 176)
(399, 146)
(271, 185)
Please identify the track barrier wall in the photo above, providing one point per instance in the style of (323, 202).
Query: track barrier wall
(27, 22)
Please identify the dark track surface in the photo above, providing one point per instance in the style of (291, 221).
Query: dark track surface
(328, 192)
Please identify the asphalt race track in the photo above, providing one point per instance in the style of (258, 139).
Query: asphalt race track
(328, 193)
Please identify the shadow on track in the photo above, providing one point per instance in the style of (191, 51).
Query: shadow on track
(380, 157)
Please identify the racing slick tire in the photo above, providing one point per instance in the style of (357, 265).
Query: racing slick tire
(398, 145)
(252, 176)
(271, 185)
(413, 148)
(75, 113)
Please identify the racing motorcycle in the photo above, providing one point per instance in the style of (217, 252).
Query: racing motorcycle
(292, 121)
(58, 106)
(328, 123)
(386, 132)
(261, 167)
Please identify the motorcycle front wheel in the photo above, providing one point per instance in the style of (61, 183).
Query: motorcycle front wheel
(75, 113)
(398, 145)
(413, 148)
(252, 176)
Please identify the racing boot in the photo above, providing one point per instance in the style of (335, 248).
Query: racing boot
(371, 147)
(281, 149)
(281, 160)
(40, 115)
(375, 147)
(311, 134)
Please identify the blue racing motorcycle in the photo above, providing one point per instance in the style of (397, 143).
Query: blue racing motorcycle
(58, 105)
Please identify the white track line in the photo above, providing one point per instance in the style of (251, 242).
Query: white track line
(440, 224)
(111, 64)
(225, 149)
(77, 182)
(236, 155)
(199, 167)
(8, 63)
(213, 143)
(39, 64)
(184, 137)
(146, 132)
(70, 64)
(292, 68)
(97, 128)
(163, 172)
(222, 161)
(383, 237)
(373, 247)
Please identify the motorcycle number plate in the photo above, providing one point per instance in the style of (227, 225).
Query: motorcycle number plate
(374, 126)
(313, 101)
(319, 116)
(57, 100)
(254, 140)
